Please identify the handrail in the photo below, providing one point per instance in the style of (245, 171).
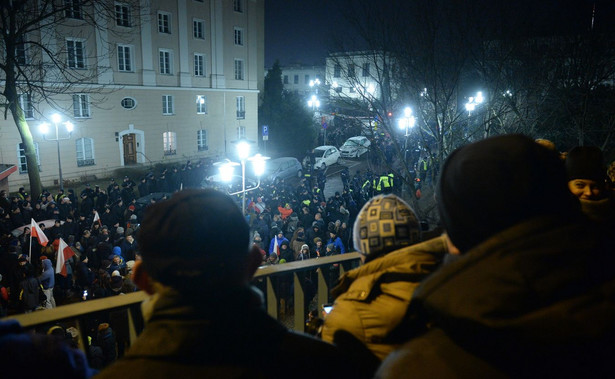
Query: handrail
(78, 310)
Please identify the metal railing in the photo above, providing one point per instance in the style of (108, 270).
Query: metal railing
(269, 278)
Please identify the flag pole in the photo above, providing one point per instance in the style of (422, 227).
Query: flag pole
(30, 250)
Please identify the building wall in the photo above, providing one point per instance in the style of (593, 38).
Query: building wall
(109, 121)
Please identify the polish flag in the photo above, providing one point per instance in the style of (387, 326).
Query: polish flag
(64, 253)
(276, 247)
(38, 233)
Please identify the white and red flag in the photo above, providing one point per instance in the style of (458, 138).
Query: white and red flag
(96, 218)
(38, 233)
(64, 254)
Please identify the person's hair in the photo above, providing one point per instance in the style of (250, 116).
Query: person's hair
(194, 239)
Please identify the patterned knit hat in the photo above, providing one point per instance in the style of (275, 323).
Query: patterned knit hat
(385, 223)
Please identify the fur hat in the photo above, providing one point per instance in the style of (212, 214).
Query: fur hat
(384, 224)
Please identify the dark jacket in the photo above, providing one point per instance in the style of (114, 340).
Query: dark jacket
(535, 300)
(227, 335)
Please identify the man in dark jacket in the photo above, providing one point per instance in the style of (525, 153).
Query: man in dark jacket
(196, 258)
(528, 292)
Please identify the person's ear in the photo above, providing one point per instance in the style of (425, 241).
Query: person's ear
(255, 259)
(142, 278)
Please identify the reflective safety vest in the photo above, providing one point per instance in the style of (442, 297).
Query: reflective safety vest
(391, 177)
(383, 182)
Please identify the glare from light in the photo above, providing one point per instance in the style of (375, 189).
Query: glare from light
(44, 128)
(56, 118)
(371, 89)
(335, 85)
(69, 126)
(243, 149)
(407, 111)
(479, 97)
(470, 106)
(226, 171)
(258, 163)
(200, 100)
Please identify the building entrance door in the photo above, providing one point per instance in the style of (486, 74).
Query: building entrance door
(130, 149)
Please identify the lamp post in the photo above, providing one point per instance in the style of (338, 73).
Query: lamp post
(258, 162)
(473, 102)
(407, 122)
(44, 129)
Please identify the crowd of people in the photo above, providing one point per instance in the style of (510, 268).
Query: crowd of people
(520, 284)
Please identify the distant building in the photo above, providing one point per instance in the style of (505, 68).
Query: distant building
(303, 80)
(182, 84)
(354, 75)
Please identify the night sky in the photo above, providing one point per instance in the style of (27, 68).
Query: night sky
(299, 31)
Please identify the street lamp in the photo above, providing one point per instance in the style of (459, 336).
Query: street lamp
(243, 153)
(407, 122)
(314, 103)
(473, 102)
(44, 129)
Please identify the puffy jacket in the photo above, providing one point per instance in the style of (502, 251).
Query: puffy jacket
(374, 297)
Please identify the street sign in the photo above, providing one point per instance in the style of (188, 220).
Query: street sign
(265, 130)
(324, 125)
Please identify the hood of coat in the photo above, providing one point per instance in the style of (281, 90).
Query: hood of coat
(527, 291)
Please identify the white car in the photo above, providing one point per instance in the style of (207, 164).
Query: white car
(325, 156)
(354, 147)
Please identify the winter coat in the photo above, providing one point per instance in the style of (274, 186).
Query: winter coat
(47, 278)
(272, 243)
(339, 246)
(372, 299)
(535, 300)
(29, 293)
(225, 334)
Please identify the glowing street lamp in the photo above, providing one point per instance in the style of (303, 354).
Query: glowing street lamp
(407, 122)
(44, 129)
(474, 101)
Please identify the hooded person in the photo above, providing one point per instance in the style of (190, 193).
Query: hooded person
(523, 291)
(371, 301)
(47, 280)
(198, 264)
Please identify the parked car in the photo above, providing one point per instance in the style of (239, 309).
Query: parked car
(325, 156)
(282, 168)
(354, 147)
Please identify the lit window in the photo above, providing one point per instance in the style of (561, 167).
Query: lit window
(85, 152)
(201, 104)
(169, 142)
(201, 140)
(81, 106)
(167, 105)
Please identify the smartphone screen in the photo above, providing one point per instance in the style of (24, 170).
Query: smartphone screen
(327, 308)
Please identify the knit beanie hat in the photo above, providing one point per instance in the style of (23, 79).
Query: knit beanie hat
(385, 223)
(586, 162)
(493, 184)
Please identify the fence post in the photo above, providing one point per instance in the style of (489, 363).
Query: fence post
(299, 302)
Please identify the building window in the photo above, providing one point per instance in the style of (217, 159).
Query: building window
(85, 152)
(285, 79)
(166, 61)
(25, 102)
(338, 89)
(123, 16)
(238, 6)
(351, 70)
(72, 9)
(129, 103)
(199, 65)
(75, 53)
(238, 69)
(21, 55)
(241, 107)
(164, 22)
(365, 69)
(306, 79)
(201, 140)
(296, 79)
(21, 157)
(81, 106)
(198, 29)
(238, 36)
(241, 132)
(124, 58)
(169, 142)
(201, 104)
(337, 71)
(167, 105)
